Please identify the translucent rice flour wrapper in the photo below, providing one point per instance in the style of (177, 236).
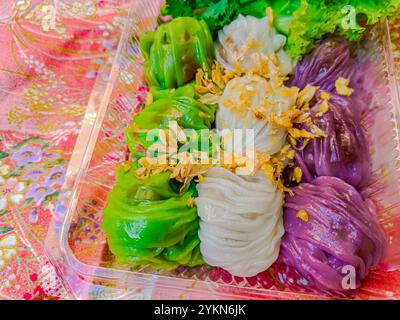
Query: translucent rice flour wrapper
(343, 152)
(247, 41)
(331, 228)
(241, 222)
(246, 103)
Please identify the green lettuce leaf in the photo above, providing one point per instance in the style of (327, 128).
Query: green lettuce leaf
(303, 21)
(216, 13)
(315, 19)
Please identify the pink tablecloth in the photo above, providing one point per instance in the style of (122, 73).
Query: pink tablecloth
(50, 54)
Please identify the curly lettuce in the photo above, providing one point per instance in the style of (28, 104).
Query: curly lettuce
(216, 13)
(314, 19)
(303, 21)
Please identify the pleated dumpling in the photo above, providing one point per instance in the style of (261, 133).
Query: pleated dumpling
(240, 221)
(247, 41)
(330, 227)
(247, 103)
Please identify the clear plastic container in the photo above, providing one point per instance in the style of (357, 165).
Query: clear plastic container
(78, 246)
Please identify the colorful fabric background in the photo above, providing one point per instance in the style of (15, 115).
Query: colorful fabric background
(50, 54)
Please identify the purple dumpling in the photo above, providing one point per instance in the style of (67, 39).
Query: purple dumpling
(330, 228)
(343, 152)
(331, 60)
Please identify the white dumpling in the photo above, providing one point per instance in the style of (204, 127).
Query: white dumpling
(246, 41)
(240, 221)
(242, 98)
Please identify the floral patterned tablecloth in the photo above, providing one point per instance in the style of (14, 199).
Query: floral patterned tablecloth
(50, 54)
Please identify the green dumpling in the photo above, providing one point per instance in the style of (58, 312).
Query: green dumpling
(149, 222)
(175, 51)
(186, 111)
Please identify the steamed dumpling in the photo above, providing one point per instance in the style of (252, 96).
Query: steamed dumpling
(343, 152)
(246, 104)
(329, 226)
(247, 41)
(240, 221)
